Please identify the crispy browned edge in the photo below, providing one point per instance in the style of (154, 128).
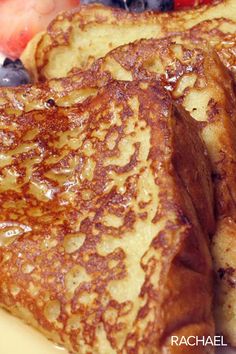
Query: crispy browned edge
(185, 289)
(168, 22)
(96, 77)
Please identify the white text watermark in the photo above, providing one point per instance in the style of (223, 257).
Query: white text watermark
(215, 341)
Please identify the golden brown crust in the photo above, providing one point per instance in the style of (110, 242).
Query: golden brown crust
(76, 39)
(200, 83)
(98, 229)
(191, 73)
(217, 122)
(219, 34)
(187, 70)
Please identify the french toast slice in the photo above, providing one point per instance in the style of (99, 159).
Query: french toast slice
(75, 88)
(101, 248)
(74, 40)
(200, 83)
(194, 75)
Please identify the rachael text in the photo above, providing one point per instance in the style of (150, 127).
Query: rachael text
(216, 341)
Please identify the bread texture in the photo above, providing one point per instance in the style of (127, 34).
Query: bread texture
(102, 248)
(75, 40)
(198, 82)
(190, 71)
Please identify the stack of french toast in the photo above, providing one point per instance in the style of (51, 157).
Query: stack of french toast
(118, 181)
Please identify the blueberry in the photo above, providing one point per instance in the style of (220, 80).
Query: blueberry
(160, 5)
(136, 5)
(13, 73)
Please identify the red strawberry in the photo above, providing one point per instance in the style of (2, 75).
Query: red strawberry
(22, 19)
(189, 3)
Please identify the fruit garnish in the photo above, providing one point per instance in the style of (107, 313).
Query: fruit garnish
(13, 73)
(136, 5)
(179, 4)
(156, 5)
(21, 20)
(160, 5)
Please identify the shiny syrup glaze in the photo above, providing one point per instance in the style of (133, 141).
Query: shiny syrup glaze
(90, 273)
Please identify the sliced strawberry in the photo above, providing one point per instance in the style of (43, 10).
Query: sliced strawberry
(21, 20)
(180, 4)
